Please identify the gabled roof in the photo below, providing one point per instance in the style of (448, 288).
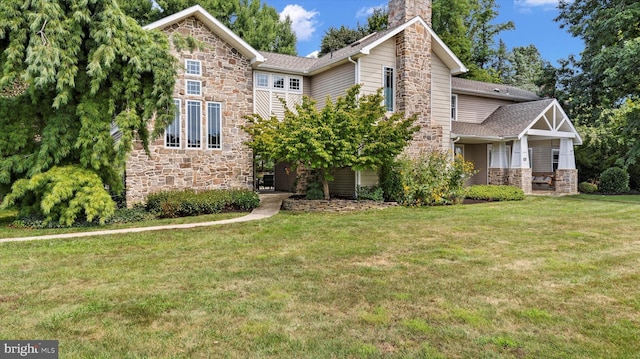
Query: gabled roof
(544, 118)
(214, 25)
(486, 89)
(360, 48)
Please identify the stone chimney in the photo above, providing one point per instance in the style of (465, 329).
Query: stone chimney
(401, 11)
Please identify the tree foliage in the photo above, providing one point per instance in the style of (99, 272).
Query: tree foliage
(84, 67)
(337, 38)
(602, 85)
(352, 132)
(255, 22)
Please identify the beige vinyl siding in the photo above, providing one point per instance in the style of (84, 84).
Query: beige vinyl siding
(441, 98)
(344, 183)
(333, 83)
(478, 155)
(372, 65)
(541, 155)
(306, 86)
(261, 105)
(476, 109)
(368, 178)
(277, 108)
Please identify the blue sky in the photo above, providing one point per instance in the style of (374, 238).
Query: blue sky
(533, 20)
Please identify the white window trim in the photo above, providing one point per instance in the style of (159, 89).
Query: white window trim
(393, 87)
(268, 80)
(178, 104)
(454, 107)
(186, 87)
(186, 67)
(553, 151)
(207, 125)
(186, 139)
(289, 78)
(271, 79)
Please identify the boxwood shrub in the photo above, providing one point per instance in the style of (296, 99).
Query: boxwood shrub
(614, 180)
(494, 193)
(169, 204)
(587, 187)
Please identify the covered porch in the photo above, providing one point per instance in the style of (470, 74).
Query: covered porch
(528, 145)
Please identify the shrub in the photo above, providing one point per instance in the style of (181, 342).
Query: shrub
(373, 193)
(390, 182)
(494, 193)
(185, 203)
(587, 187)
(433, 180)
(314, 191)
(614, 180)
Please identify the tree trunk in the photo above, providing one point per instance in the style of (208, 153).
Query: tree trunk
(325, 188)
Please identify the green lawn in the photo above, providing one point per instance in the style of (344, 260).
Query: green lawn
(541, 278)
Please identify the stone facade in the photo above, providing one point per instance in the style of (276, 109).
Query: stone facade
(498, 176)
(566, 181)
(226, 78)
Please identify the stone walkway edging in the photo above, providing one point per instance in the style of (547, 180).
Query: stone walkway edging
(269, 206)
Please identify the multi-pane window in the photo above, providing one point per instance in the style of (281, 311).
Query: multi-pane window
(194, 87)
(262, 80)
(454, 107)
(278, 82)
(214, 125)
(294, 84)
(193, 124)
(172, 133)
(192, 67)
(388, 88)
(555, 158)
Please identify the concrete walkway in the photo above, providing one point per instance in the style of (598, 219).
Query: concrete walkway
(269, 205)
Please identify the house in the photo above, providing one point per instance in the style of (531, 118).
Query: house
(503, 130)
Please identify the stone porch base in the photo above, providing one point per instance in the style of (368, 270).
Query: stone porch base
(566, 181)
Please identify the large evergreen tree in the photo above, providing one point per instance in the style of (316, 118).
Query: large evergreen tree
(255, 22)
(71, 73)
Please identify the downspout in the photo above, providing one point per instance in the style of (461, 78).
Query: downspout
(356, 80)
(453, 145)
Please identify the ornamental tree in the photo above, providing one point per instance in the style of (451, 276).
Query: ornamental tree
(355, 131)
(72, 74)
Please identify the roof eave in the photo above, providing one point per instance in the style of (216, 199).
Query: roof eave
(498, 95)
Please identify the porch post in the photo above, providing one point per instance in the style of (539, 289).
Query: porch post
(520, 171)
(566, 160)
(498, 171)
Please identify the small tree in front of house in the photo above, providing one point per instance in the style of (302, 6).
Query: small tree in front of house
(352, 132)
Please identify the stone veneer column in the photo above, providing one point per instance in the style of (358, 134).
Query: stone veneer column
(566, 181)
(498, 176)
(521, 178)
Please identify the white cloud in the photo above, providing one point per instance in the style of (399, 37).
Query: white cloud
(313, 55)
(367, 11)
(527, 5)
(303, 21)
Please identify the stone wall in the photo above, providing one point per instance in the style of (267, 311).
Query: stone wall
(521, 178)
(227, 79)
(334, 205)
(401, 11)
(566, 181)
(498, 176)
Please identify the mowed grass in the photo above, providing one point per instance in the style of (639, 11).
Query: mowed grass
(541, 278)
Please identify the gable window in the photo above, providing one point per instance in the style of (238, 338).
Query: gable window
(454, 107)
(192, 67)
(194, 87)
(193, 124)
(388, 88)
(172, 132)
(214, 124)
(262, 80)
(278, 82)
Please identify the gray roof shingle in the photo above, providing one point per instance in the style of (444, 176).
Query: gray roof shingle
(490, 89)
(506, 121)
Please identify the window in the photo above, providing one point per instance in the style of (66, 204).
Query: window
(294, 84)
(214, 125)
(555, 156)
(458, 150)
(454, 107)
(278, 82)
(194, 87)
(262, 80)
(192, 67)
(388, 88)
(193, 124)
(172, 132)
